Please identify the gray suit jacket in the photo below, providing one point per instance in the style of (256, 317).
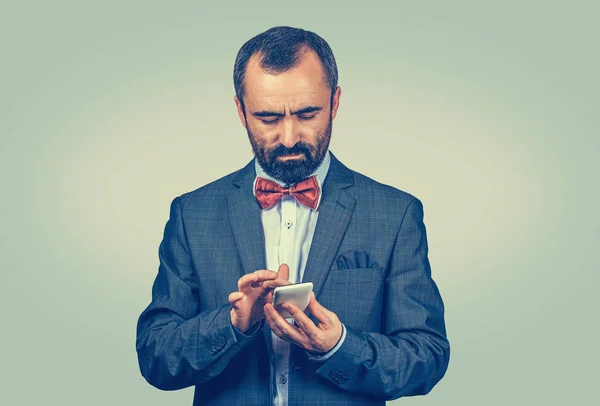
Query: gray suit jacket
(368, 263)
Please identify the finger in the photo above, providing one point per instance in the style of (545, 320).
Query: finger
(321, 314)
(268, 312)
(272, 284)
(284, 272)
(256, 278)
(269, 286)
(302, 320)
(245, 281)
(235, 297)
(288, 331)
(267, 295)
(282, 327)
(265, 274)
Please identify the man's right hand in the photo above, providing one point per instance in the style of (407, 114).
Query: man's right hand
(254, 290)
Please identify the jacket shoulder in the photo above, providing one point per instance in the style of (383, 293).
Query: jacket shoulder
(377, 192)
(212, 194)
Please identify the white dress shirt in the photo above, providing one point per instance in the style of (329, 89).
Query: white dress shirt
(288, 229)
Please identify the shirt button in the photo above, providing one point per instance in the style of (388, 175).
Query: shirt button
(282, 380)
(289, 224)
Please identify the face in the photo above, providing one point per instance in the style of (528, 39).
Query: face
(288, 117)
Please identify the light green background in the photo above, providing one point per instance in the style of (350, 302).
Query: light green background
(486, 111)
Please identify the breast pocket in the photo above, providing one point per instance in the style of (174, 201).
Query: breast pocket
(355, 296)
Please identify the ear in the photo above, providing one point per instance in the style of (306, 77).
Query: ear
(336, 102)
(240, 111)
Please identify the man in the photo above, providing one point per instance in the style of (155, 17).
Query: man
(374, 327)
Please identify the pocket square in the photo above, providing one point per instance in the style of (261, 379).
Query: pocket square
(355, 259)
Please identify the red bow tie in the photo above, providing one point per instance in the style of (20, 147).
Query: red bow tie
(268, 193)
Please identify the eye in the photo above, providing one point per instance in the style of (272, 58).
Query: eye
(306, 118)
(272, 121)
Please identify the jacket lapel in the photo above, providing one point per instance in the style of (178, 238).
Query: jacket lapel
(335, 211)
(244, 217)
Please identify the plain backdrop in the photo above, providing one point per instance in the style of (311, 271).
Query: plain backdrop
(486, 111)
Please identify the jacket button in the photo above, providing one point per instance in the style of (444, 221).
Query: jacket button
(219, 343)
(338, 376)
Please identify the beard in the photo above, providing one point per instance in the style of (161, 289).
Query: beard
(293, 170)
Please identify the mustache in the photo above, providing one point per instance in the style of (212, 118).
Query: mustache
(299, 147)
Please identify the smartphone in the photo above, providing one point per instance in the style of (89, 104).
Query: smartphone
(298, 294)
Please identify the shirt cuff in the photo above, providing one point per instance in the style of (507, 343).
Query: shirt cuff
(327, 355)
(252, 331)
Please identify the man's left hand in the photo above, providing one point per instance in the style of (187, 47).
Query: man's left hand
(319, 338)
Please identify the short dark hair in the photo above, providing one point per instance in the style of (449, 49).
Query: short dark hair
(281, 49)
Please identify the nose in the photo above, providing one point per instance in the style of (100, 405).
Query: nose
(288, 136)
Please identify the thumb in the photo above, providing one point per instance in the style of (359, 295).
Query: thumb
(284, 272)
(324, 318)
(315, 307)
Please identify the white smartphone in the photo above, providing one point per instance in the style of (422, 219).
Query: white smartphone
(298, 294)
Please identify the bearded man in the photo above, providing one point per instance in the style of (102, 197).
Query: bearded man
(374, 327)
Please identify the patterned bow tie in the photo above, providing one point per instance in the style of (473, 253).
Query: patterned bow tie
(268, 193)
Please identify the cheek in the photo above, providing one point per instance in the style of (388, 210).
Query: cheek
(262, 135)
(314, 127)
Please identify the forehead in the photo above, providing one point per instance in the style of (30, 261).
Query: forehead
(303, 83)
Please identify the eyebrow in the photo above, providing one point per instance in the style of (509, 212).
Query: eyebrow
(304, 110)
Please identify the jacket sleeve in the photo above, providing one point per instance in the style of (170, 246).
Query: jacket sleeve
(178, 344)
(411, 354)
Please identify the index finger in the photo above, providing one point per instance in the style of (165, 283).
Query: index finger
(265, 275)
(277, 282)
(246, 280)
(301, 319)
(256, 278)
